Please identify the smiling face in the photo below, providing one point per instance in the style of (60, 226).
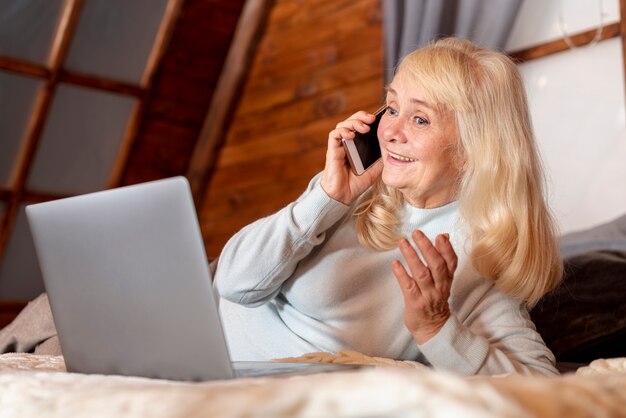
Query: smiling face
(418, 140)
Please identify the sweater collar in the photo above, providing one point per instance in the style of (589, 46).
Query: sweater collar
(416, 218)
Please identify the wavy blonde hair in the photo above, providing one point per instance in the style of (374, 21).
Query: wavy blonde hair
(511, 231)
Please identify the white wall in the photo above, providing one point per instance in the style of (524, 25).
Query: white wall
(538, 20)
(577, 103)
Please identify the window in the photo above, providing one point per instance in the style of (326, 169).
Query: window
(74, 77)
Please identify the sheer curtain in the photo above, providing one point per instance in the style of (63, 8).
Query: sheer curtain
(409, 24)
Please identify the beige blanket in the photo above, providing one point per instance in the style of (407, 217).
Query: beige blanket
(35, 385)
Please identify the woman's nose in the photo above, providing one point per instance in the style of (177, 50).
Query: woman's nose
(392, 132)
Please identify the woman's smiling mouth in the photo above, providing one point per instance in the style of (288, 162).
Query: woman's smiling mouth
(400, 158)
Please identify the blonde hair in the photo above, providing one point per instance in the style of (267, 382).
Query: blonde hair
(511, 230)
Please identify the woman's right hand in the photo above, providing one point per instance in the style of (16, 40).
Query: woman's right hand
(338, 181)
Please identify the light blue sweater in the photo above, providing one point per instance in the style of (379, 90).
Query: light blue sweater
(299, 281)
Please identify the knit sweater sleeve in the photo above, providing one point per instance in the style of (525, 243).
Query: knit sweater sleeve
(497, 337)
(260, 257)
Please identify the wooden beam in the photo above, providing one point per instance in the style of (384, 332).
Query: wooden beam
(32, 197)
(18, 66)
(22, 67)
(5, 194)
(161, 41)
(234, 73)
(101, 84)
(560, 45)
(166, 29)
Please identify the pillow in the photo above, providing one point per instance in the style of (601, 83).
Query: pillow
(607, 236)
(585, 317)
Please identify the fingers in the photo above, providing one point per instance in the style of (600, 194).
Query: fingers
(346, 130)
(440, 257)
(338, 180)
(407, 284)
(440, 261)
(443, 245)
(427, 289)
(421, 274)
(358, 122)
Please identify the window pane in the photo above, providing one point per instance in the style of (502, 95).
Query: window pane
(114, 38)
(80, 141)
(17, 98)
(20, 277)
(27, 28)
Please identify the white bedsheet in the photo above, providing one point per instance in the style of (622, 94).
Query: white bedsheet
(35, 386)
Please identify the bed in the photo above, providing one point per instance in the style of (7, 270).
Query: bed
(37, 385)
(583, 322)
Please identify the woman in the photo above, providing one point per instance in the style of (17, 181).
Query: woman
(459, 182)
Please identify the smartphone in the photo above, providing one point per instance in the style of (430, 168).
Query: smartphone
(364, 150)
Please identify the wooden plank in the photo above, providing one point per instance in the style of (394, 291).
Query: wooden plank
(289, 14)
(226, 96)
(279, 143)
(257, 203)
(338, 103)
(559, 45)
(330, 48)
(346, 18)
(298, 85)
(298, 139)
(275, 169)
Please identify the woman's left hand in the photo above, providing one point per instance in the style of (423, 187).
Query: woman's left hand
(427, 289)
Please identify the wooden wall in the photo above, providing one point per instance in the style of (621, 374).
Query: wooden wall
(318, 62)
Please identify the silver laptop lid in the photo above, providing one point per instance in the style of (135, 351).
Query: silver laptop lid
(129, 284)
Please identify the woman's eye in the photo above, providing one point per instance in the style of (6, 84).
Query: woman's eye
(421, 121)
(391, 111)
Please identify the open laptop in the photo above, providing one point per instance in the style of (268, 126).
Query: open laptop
(130, 287)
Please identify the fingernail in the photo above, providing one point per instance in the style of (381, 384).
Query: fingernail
(446, 237)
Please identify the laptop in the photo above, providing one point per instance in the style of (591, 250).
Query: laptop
(130, 287)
